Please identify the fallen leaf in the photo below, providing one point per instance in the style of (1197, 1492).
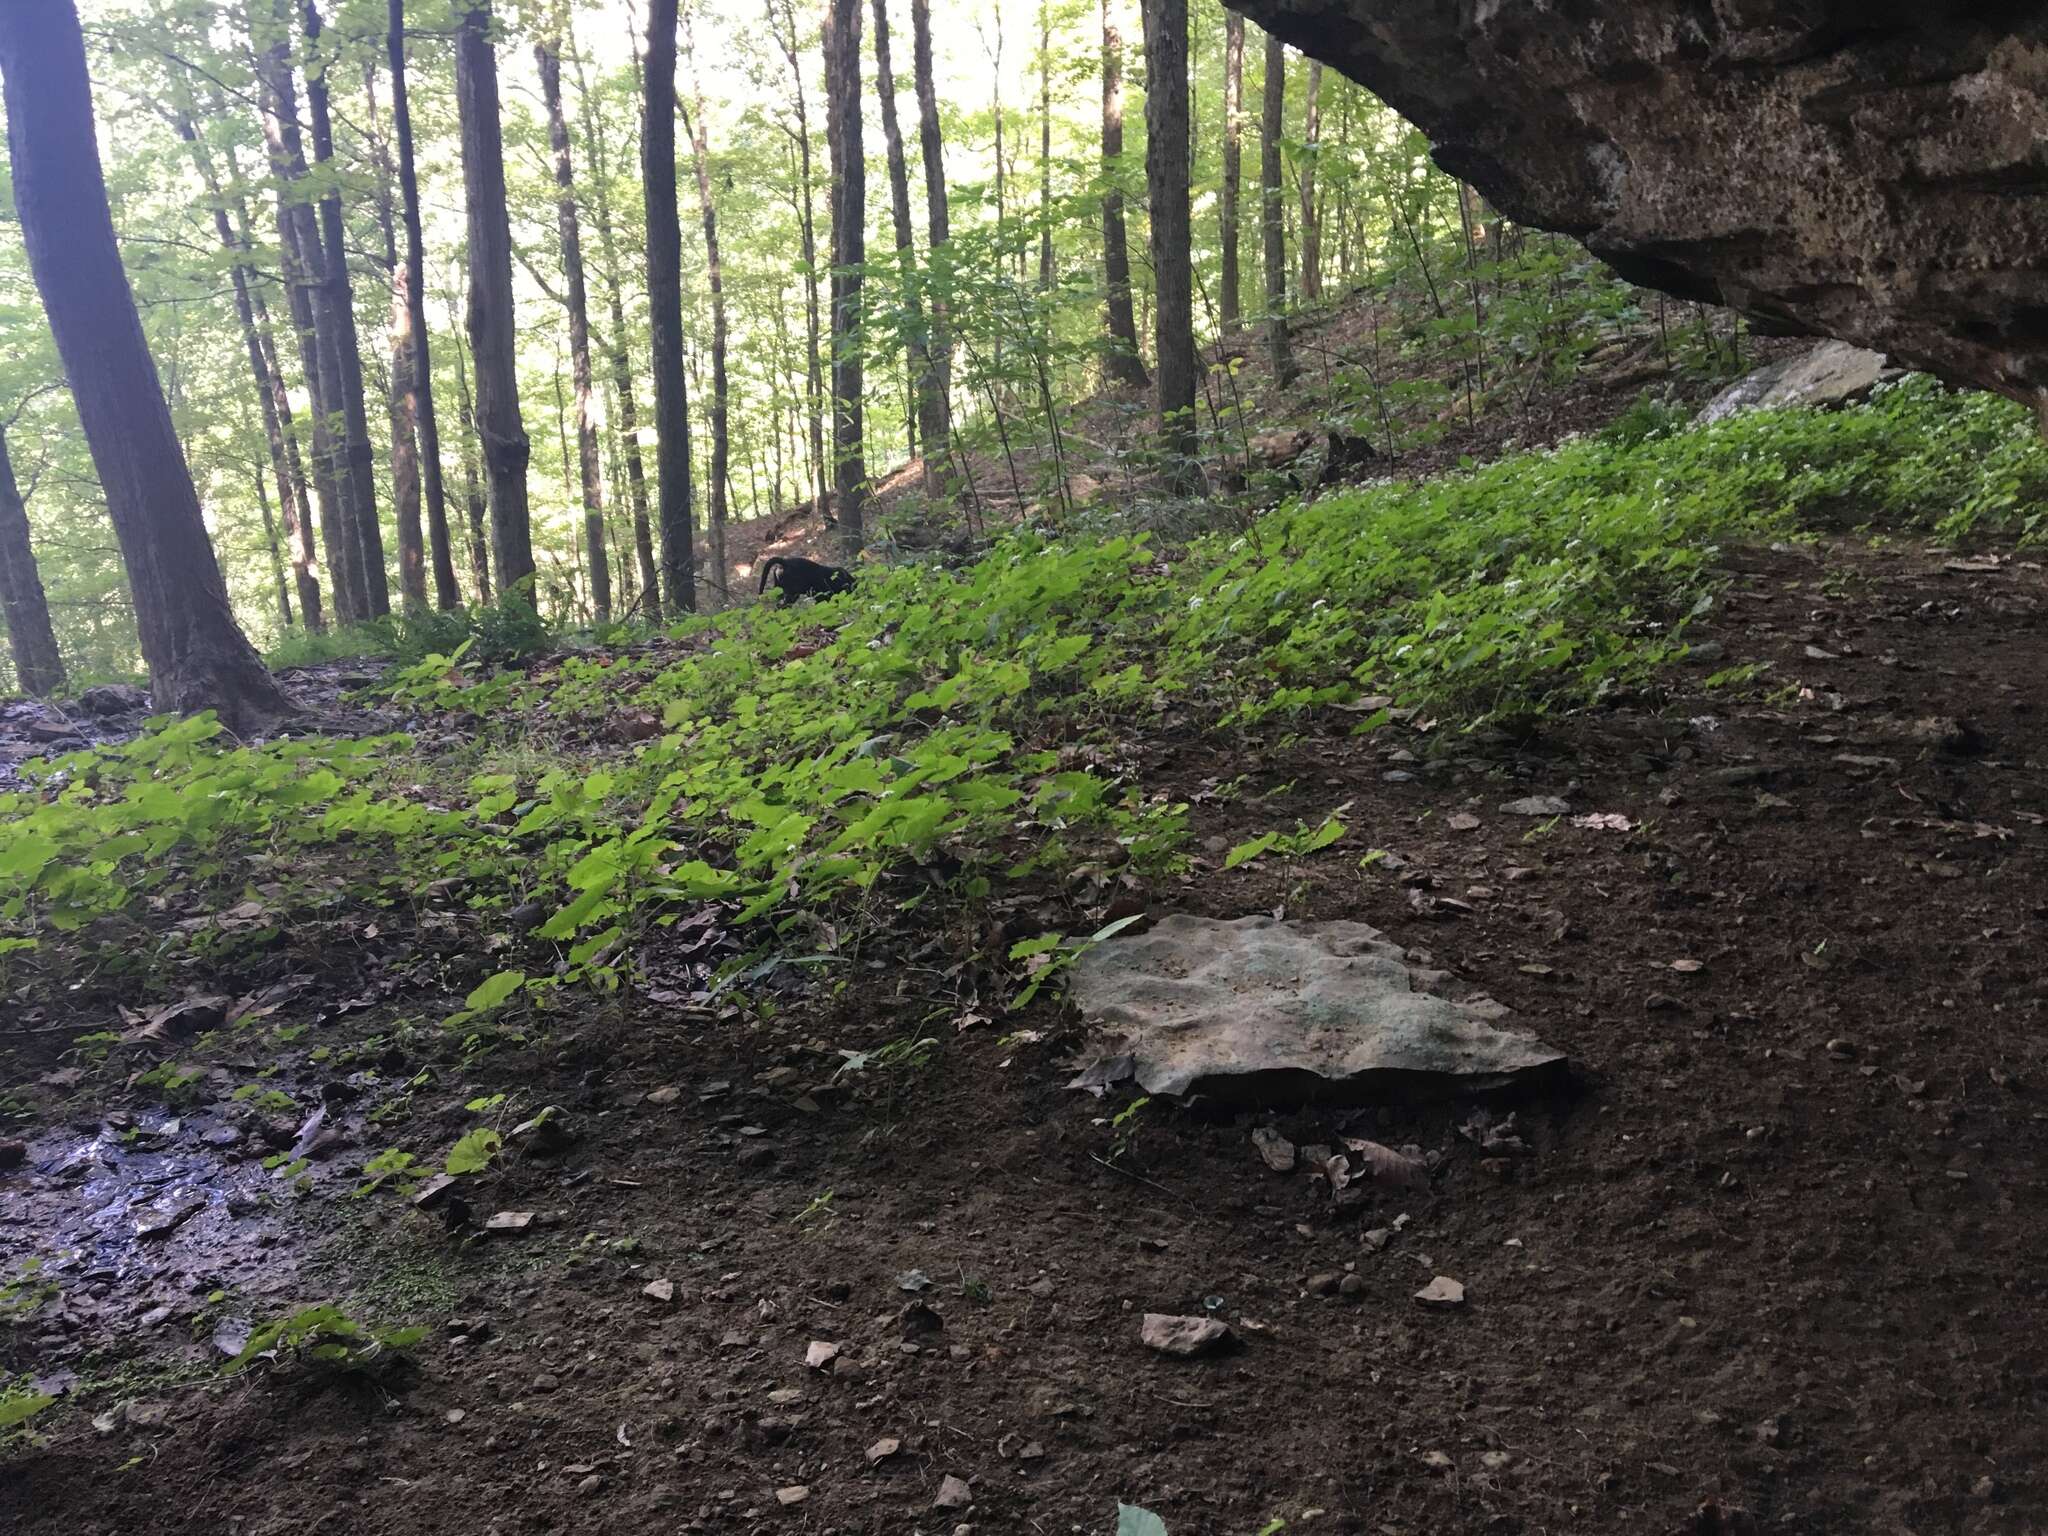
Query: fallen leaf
(1394, 1169)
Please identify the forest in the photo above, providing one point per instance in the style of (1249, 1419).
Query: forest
(1394, 886)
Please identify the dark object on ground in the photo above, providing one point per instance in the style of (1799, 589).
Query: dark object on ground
(796, 577)
(1346, 456)
(1824, 170)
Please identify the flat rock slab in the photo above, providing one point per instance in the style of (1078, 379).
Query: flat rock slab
(1833, 373)
(1254, 1008)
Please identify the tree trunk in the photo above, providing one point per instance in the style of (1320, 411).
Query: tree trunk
(311, 311)
(1044, 148)
(934, 386)
(360, 481)
(405, 455)
(284, 592)
(621, 357)
(1166, 178)
(808, 224)
(1122, 364)
(849, 251)
(547, 53)
(1311, 223)
(492, 343)
(917, 345)
(1272, 210)
(714, 272)
(665, 311)
(198, 657)
(271, 395)
(472, 493)
(1231, 301)
(447, 592)
(38, 666)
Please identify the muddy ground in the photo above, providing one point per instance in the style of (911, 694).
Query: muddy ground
(1779, 1246)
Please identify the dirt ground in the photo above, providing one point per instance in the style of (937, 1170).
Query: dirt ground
(1779, 1247)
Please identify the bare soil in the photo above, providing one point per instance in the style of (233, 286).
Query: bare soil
(1779, 1248)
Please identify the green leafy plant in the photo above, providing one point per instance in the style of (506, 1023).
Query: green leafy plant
(327, 1336)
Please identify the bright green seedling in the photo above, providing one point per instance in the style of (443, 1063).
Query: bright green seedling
(327, 1336)
(1054, 955)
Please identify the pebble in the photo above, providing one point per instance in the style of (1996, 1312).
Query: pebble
(1351, 1285)
(455, 1416)
(545, 1383)
(1322, 1285)
(953, 1494)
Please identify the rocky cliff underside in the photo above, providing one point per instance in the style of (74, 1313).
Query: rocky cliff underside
(1864, 169)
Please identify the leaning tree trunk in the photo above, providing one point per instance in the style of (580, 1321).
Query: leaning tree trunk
(714, 276)
(1230, 303)
(785, 36)
(665, 311)
(1166, 179)
(198, 657)
(548, 55)
(38, 666)
(934, 391)
(1272, 213)
(849, 251)
(1311, 218)
(917, 340)
(621, 357)
(1122, 364)
(405, 453)
(360, 482)
(492, 343)
(447, 591)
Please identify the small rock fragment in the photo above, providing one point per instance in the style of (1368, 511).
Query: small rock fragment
(509, 1221)
(659, 1290)
(1276, 1150)
(1182, 1337)
(796, 1493)
(1443, 1291)
(820, 1355)
(883, 1449)
(665, 1095)
(953, 1494)
(1537, 805)
(1322, 1285)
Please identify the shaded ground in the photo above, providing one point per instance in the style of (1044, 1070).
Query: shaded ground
(1777, 1249)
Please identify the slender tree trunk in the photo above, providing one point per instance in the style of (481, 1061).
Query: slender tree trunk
(38, 665)
(405, 455)
(472, 491)
(714, 273)
(617, 349)
(665, 311)
(849, 252)
(1272, 210)
(198, 657)
(447, 591)
(547, 53)
(360, 479)
(917, 345)
(311, 309)
(1311, 220)
(1166, 177)
(783, 24)
(284, 591)
(1231, 300)
(1044, 147)
(1122, 364)
(934, 386)
(270, 391)
(492, 342)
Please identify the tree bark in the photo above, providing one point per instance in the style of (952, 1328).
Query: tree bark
(917, 343)
(1166, 178)
(360, 480)
(547, 53)
(312, 319)
(405, 452)
(1231, 301)
(1311, 219)
(714, 273)
(849, 251)
(271, 395)
(284, 592)
(38, 665)
(198, 657)
(472, 492)
(492, 342)
(934, 389)
(1272, 212)
(665, 312)
(1122, 363)
(447, 591)
(786, 36)
(1044, 148)
(617, 350)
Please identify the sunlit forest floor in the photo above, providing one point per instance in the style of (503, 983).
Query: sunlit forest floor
(793, 1220)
